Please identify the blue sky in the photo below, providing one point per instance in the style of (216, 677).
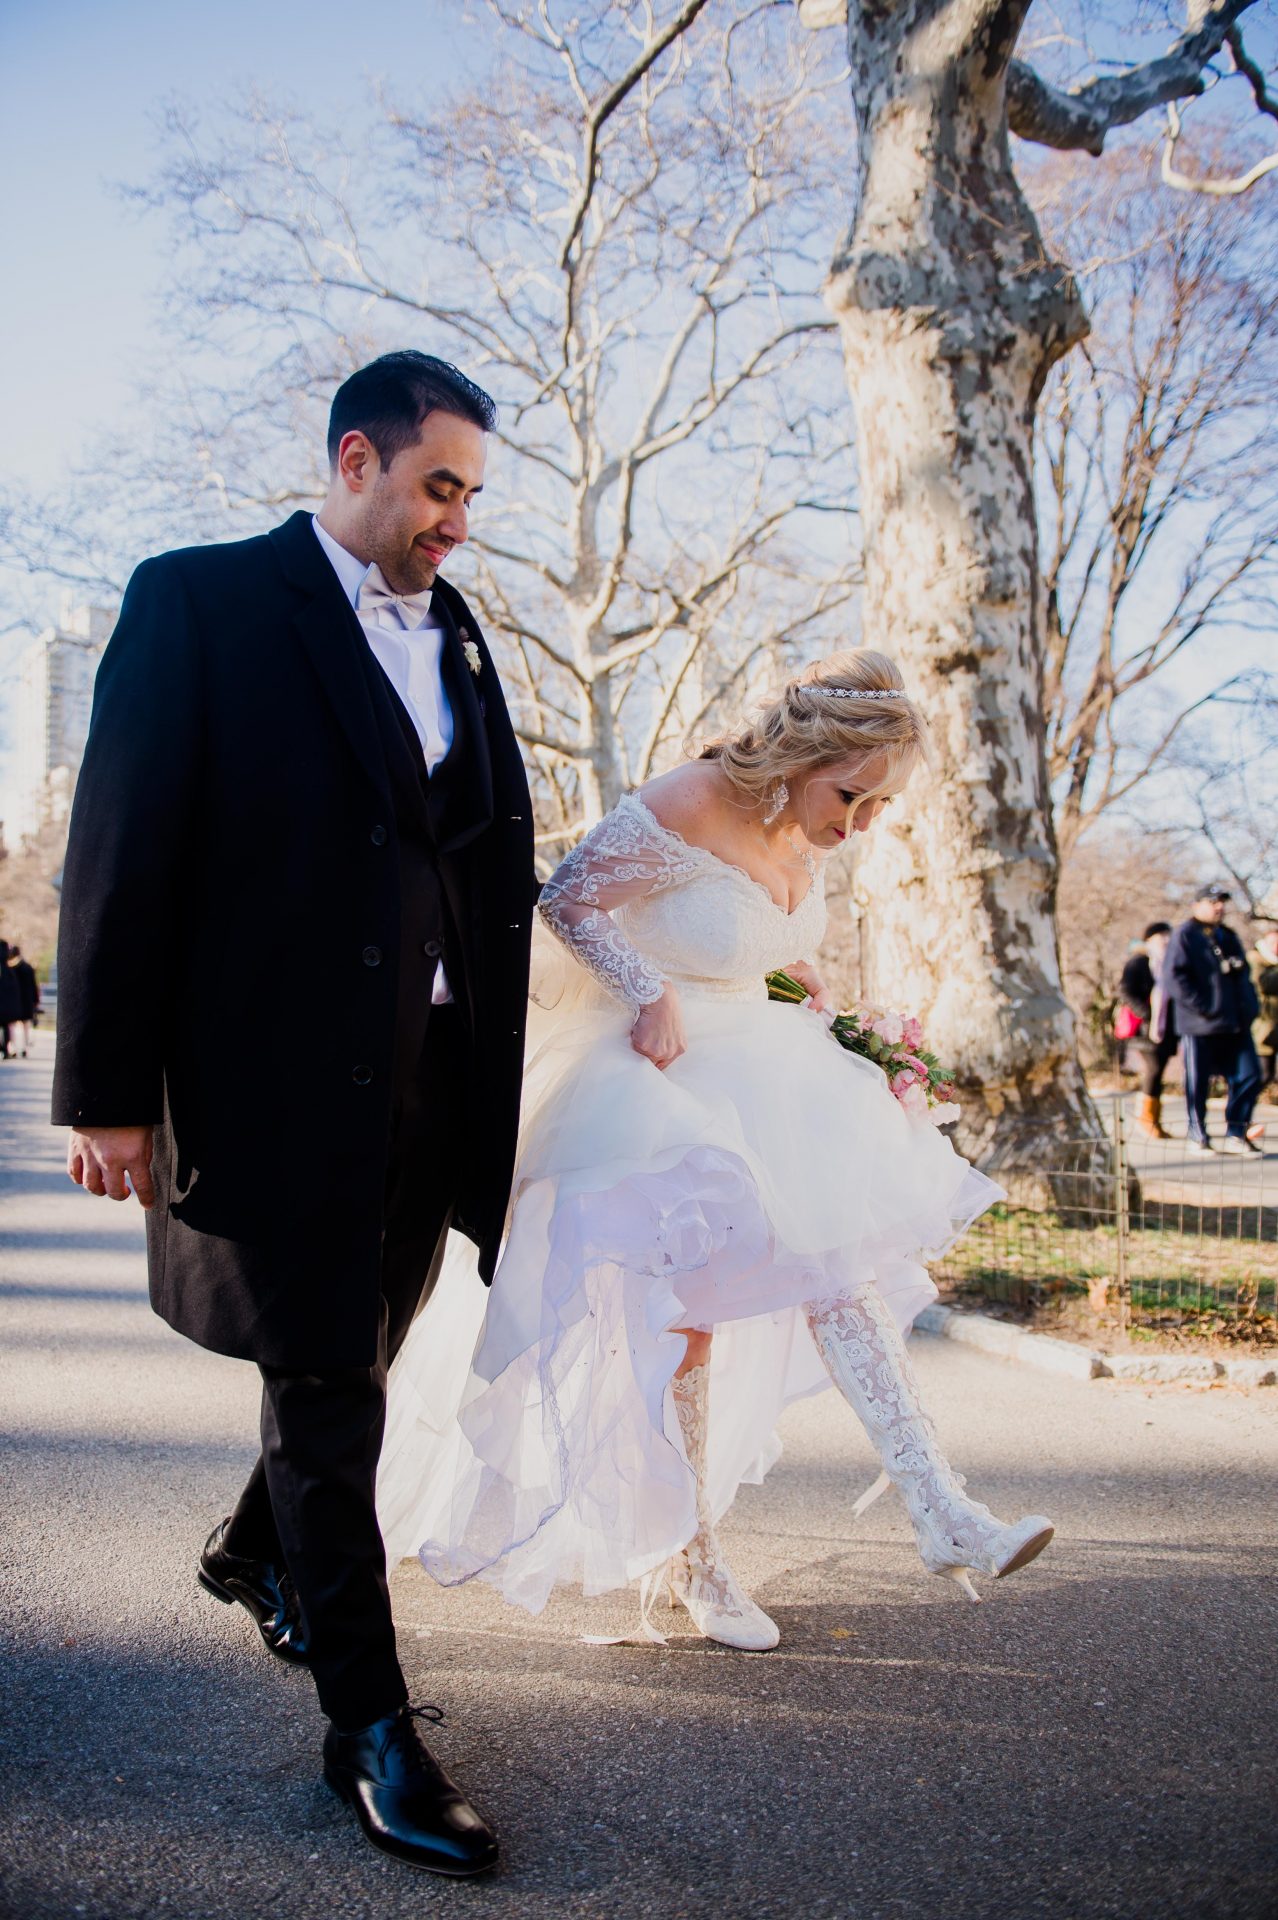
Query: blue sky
(81, 85)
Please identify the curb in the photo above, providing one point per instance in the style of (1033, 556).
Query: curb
(1050, 1355)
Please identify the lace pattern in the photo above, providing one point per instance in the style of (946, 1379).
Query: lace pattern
(700, 1575)
(622, 859)
(867, 1360)
(624, 903)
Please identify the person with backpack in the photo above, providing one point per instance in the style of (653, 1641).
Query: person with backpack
(1207, 986)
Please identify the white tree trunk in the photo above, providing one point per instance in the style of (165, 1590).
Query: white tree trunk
(951, 317)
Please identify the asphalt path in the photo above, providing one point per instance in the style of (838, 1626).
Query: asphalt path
(1216, 1182)
(1096, 1739)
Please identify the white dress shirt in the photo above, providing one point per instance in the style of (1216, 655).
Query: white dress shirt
(410, 658)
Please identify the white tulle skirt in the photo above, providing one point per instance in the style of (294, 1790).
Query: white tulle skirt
(531, 1437)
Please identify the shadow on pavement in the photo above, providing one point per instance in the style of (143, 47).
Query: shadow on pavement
(96, 1296)
(117, 1457)
(1060, 1756)
(88, 1236)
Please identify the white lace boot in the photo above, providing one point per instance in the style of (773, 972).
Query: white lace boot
(862, 1347)
(700, 1576)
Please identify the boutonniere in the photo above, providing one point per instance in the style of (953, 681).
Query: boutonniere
(473, 660)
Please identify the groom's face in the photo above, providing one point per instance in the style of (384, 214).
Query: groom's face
(413, 512)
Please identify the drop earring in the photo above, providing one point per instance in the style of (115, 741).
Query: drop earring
(777, 798)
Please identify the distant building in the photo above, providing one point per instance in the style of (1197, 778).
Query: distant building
(51, 719)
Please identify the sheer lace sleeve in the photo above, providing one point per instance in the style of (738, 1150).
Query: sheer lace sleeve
(627, 855)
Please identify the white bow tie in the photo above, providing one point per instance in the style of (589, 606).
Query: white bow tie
(376, 595)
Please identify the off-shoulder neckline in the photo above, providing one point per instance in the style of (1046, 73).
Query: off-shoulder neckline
(731, 866)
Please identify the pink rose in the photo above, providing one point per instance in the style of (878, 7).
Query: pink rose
(889, 1027)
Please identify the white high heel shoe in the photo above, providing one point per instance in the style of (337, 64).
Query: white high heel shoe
(863, 1350)
(700, 1578)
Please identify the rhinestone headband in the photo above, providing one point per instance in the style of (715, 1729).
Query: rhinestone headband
(855, 693)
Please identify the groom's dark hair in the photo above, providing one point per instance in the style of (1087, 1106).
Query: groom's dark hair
(389, 398)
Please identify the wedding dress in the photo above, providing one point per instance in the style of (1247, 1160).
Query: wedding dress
(533, 1435)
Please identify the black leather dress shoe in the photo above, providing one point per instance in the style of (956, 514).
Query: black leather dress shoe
(264, 1590)
(404, 1801)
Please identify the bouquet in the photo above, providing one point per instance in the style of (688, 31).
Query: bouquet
(893, 1041)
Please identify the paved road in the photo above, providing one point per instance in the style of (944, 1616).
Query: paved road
(1097, 1739)
(1170, 1173)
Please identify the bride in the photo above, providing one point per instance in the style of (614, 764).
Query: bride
(716, 1208)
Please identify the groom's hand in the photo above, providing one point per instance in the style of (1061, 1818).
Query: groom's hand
(100, 1158)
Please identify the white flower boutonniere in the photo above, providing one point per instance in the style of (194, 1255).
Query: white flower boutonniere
(473, 660)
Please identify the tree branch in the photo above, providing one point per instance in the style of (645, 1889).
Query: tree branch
(1083, 116)
(1265, 100)
(1219, 189)
(606, 107)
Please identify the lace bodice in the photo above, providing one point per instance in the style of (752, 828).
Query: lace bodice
(638, 905)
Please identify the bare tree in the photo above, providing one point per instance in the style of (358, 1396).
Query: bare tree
(1223, 788)
(29, 878)
(1112, 887)
(952, 314)
(1159, 475)
(619, 227)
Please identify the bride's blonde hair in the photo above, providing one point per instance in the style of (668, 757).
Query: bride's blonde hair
(850, 703)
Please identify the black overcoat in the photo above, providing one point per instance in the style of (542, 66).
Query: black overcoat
(233, 843)
(10, 994)
(28, 989)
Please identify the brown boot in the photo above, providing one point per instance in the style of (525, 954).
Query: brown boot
(1150, 1119)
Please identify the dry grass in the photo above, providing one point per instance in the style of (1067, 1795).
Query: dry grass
(1193, 1274)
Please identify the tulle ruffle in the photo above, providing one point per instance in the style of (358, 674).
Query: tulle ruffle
(535, 1442)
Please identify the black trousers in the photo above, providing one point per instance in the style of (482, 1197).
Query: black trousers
(1150, 1058)
(310, 1500)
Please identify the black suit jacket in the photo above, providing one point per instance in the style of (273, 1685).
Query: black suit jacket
(236, 842)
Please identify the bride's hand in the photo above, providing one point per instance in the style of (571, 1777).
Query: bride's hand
(820, 998)
(658, 1033)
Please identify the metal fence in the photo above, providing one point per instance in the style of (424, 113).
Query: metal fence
(1126, 1236)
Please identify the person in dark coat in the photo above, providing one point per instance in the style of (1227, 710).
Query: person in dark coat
(1263, 960)
(300, 746)
(1209, 990)
(1149, 1056)
(9, 1002)
(28, 987)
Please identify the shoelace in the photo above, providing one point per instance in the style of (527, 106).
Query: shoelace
(403, 1735)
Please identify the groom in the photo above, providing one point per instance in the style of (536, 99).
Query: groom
(303, 804)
